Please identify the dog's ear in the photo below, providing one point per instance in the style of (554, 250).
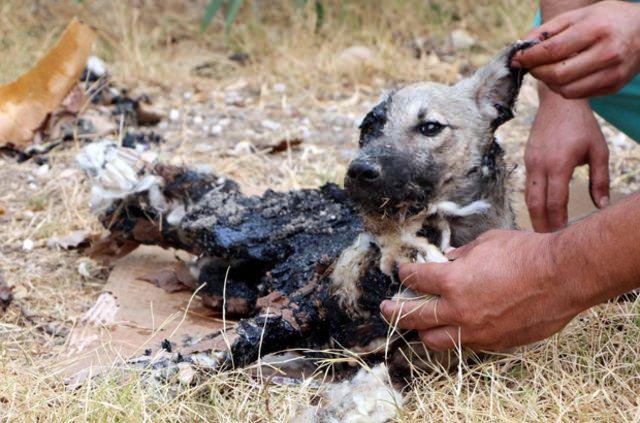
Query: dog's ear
(495, 86)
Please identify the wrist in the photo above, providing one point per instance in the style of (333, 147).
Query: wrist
(575, 274)
(549, 98)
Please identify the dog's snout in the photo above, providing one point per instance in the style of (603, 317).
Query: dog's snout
(363, 171)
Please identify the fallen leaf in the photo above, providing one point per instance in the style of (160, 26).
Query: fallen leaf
(280, 146)
(26, 102)
(171, 280)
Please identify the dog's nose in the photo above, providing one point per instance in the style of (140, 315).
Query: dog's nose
(363, 171)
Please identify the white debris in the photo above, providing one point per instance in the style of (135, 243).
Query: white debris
(242, 148)
(186, 373)
(96, 66)
(117, 172)
(83, 269)
(197, 120)
(27, 245)
(42, 170)
(279, 88)
(357, 55)
(216, 130)
(174, 115)
(368, 397)
(270, 125)
(460, 39)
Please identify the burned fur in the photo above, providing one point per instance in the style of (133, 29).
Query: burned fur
(309, 268)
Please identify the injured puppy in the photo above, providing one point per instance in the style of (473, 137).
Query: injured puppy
(308, 269)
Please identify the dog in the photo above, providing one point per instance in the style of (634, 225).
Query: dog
(309, 268)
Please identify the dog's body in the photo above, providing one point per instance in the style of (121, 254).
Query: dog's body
(302, 267)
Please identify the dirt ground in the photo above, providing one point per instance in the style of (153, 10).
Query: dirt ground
(273, 78)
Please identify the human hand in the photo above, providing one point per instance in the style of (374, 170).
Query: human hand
(587, 52)
(501, 291)
(565, 134)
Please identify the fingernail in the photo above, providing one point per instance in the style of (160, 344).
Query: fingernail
(384, 306)
(515, 64)
(604, 202)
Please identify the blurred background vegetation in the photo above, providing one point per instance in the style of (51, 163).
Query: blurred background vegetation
(168, 42)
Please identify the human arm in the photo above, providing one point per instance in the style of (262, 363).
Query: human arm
(565, 134)
(511, 288)
(586, 52)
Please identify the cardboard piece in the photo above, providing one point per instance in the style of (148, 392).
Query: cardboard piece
(132, 315)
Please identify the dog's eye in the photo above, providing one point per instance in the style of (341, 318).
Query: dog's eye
(430, 129)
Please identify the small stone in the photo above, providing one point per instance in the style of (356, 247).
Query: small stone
(197, 120)
(186, 373)
(279, 88)
(42, 170)
(216, 130)
(270, 125)
(357, 56)
(204, 148)
(27, 245)
(460, 39)
(174, 115)
(188, 95)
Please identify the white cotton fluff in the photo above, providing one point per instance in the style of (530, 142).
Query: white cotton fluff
(116, 172)
(367, 398)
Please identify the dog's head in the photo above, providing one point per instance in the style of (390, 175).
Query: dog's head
(422, 140)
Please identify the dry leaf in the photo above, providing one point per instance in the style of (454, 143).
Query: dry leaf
(26, 102)
(280, 146)
(171, 280)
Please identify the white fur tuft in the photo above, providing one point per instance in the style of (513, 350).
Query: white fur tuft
(117, 173)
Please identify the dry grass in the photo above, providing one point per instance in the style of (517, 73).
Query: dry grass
(588, 372)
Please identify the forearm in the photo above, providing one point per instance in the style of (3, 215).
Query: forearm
(599, 257)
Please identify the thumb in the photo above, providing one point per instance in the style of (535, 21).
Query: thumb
(599, 176)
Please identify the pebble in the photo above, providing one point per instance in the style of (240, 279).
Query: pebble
(357, 56)
(197, 120)
(42, 170)
(461, 39)
(216, 130)
(186, 373)
(270, 125)
(174, 115)
(27, 245)
(279, 88)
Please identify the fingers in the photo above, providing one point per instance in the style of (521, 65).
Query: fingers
(456, 253)
(599, 175)
(564, 41)
(576, 67)
(557, 199)
(604, 82)
(442, 338)
(536, 198)
(416, 314)
(549, 29)
(426, 278)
